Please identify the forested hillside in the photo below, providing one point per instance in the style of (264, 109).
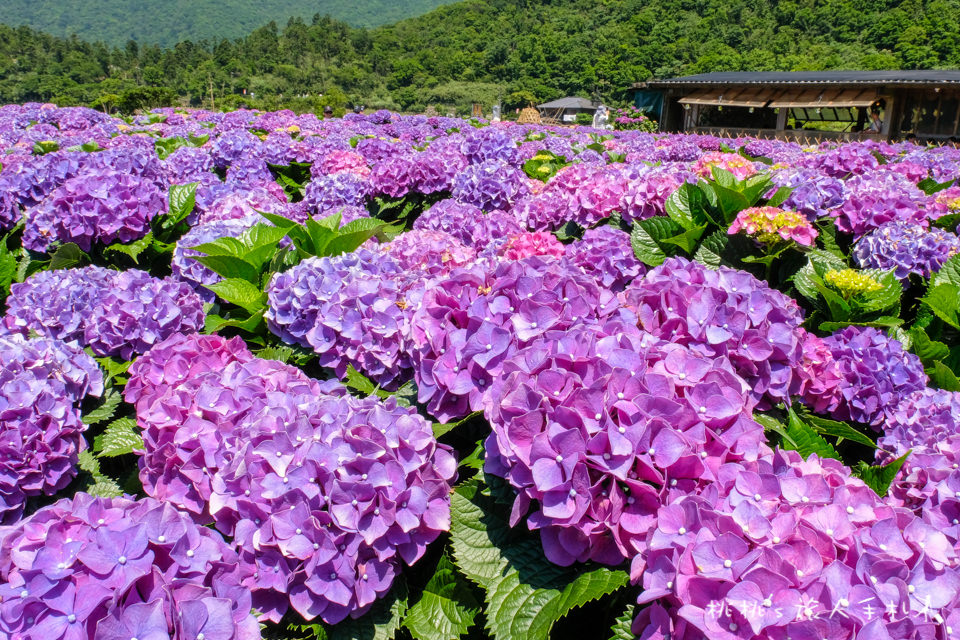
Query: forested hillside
(117, 21)
(480, 50)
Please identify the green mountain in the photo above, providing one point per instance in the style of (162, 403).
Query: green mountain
(166, 23)
(482, 50)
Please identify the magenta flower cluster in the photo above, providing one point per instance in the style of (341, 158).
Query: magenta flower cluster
(606, 254)
(323, 495)
(117, 569)
(468, 324)
(783, 547)
(594, 427)
(724, 313)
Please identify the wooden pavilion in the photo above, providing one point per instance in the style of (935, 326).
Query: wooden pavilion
(808, 105)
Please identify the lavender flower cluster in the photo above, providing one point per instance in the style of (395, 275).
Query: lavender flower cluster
(323, 495)
(115, 313)
(42, 383)
(906, 248)
(116, 569)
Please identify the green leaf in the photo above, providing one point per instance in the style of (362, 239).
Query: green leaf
(687, 240)
(880, 478)
(447, 427)
(646, 235)
(949, 273)
(944, 301)
(381, 622)
(133, 249)
(942, 377)
(359, 382)
(886, 298)
(525, 593)
(838, 430)
(621, 629)
(230, 267)
(120, 437)
(729, 202)
(226, 246)
(111, 400)
(926, 349)
(353, 235)
(779, 197)
(8, 270)
(239, 292)
(881, 322)
(99, 485)
(447, 608)
(931, 186)
(66, 256)
(281, 353)
(806, 440)
(685, 206)
(215, 323)
(183, 197)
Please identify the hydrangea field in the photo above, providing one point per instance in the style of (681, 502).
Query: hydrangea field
(271, 376)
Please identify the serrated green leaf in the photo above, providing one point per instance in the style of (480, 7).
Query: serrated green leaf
(646, 235)
(687, 240)
(120, 437)
(214, 323)
(447, 608)
(359, 382)
(838, 429)
(230, 267)
(805, 439)
(106, 410)
(239, 292)
(949, 273)
(66, 256)
(931, 186)
(381, 622)
(942, 377)
(441, 429)
(183, 198)
(880, 478)
(100, 485)
(621, 629)
(926, 349)
(281, 353)
(354, 234)
(133, 249)
(887, 297)
(881, 322)
(525, 594)
(685, 206)
(944, 301)
(8, 271)
(226, 246)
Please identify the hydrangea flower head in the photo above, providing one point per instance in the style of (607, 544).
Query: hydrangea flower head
(851, 283)
(736, 164)
(724, 313)
(605, 253)
(906, 248)
(531, 243)
(772, 225)
(116, 569)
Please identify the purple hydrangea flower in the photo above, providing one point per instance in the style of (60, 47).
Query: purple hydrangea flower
(877, 198)
(489, 143)
(606, 254)
(595, 426)
(783, 547)
(323, 494)
(467, 325)
(468, 224)
(490, 185)
(813, 194)
(114, 313)
(187, 164)
(42, 382)
(116, 569)
(337, 190)
(906, 248)
(95, 207)
(647, 196)
(432, 253)
(876, 374)
(350, 309)
(724, 313)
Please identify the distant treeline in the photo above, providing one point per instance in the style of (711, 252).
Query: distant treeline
(517, 51)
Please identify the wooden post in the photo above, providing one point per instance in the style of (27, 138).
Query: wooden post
(782, 119)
